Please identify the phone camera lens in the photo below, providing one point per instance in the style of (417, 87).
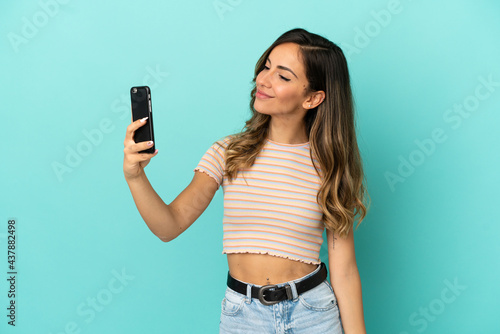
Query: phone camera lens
(134, 90)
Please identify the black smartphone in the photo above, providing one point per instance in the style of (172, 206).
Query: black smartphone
(141, 107)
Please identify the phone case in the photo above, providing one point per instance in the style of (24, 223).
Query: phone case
(141, 107)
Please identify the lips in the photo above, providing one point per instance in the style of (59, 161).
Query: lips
(261, 95)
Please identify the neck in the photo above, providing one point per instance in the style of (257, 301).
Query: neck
(287, 132)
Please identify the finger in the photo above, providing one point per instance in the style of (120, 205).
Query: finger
(135, 158)
(146, 156)
(141, 157)
(136, 147)
(134, 126)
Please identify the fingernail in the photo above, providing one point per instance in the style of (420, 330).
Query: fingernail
(150, 143)
(144, 119)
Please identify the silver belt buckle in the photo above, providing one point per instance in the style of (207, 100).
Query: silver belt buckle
(263, 289)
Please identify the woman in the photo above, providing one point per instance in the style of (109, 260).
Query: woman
(293, 170)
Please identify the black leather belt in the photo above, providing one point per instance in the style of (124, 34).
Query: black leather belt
(271, 294)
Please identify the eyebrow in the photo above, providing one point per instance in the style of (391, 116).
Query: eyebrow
(283, 68)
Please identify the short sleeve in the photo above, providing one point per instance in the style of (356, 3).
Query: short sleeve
(213, 163)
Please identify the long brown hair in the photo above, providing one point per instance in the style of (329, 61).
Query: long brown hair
(330, 127)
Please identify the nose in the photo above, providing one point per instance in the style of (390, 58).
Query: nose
(263, 79)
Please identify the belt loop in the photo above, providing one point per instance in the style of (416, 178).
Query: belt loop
(294, 290)
(249, 294)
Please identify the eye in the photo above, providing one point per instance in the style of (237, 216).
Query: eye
(283, 78)
(265, 68)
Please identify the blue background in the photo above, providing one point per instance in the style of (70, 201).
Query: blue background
(427, 252)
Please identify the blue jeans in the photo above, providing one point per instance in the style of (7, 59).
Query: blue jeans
(313, 312)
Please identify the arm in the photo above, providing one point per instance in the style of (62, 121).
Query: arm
(165, 221)
(344, 277)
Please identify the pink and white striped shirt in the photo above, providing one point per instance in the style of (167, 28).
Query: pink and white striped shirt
(271, 207)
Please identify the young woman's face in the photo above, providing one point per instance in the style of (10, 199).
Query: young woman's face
(282, 84)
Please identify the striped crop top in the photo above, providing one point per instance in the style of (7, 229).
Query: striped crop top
(271, 207)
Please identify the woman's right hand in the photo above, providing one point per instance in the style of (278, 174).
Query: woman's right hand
(133, 161)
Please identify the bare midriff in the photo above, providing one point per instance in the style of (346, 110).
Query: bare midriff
(263, 269)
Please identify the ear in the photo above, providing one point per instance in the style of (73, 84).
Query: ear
(314, 99)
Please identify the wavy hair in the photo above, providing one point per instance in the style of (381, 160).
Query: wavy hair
(330, 127)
